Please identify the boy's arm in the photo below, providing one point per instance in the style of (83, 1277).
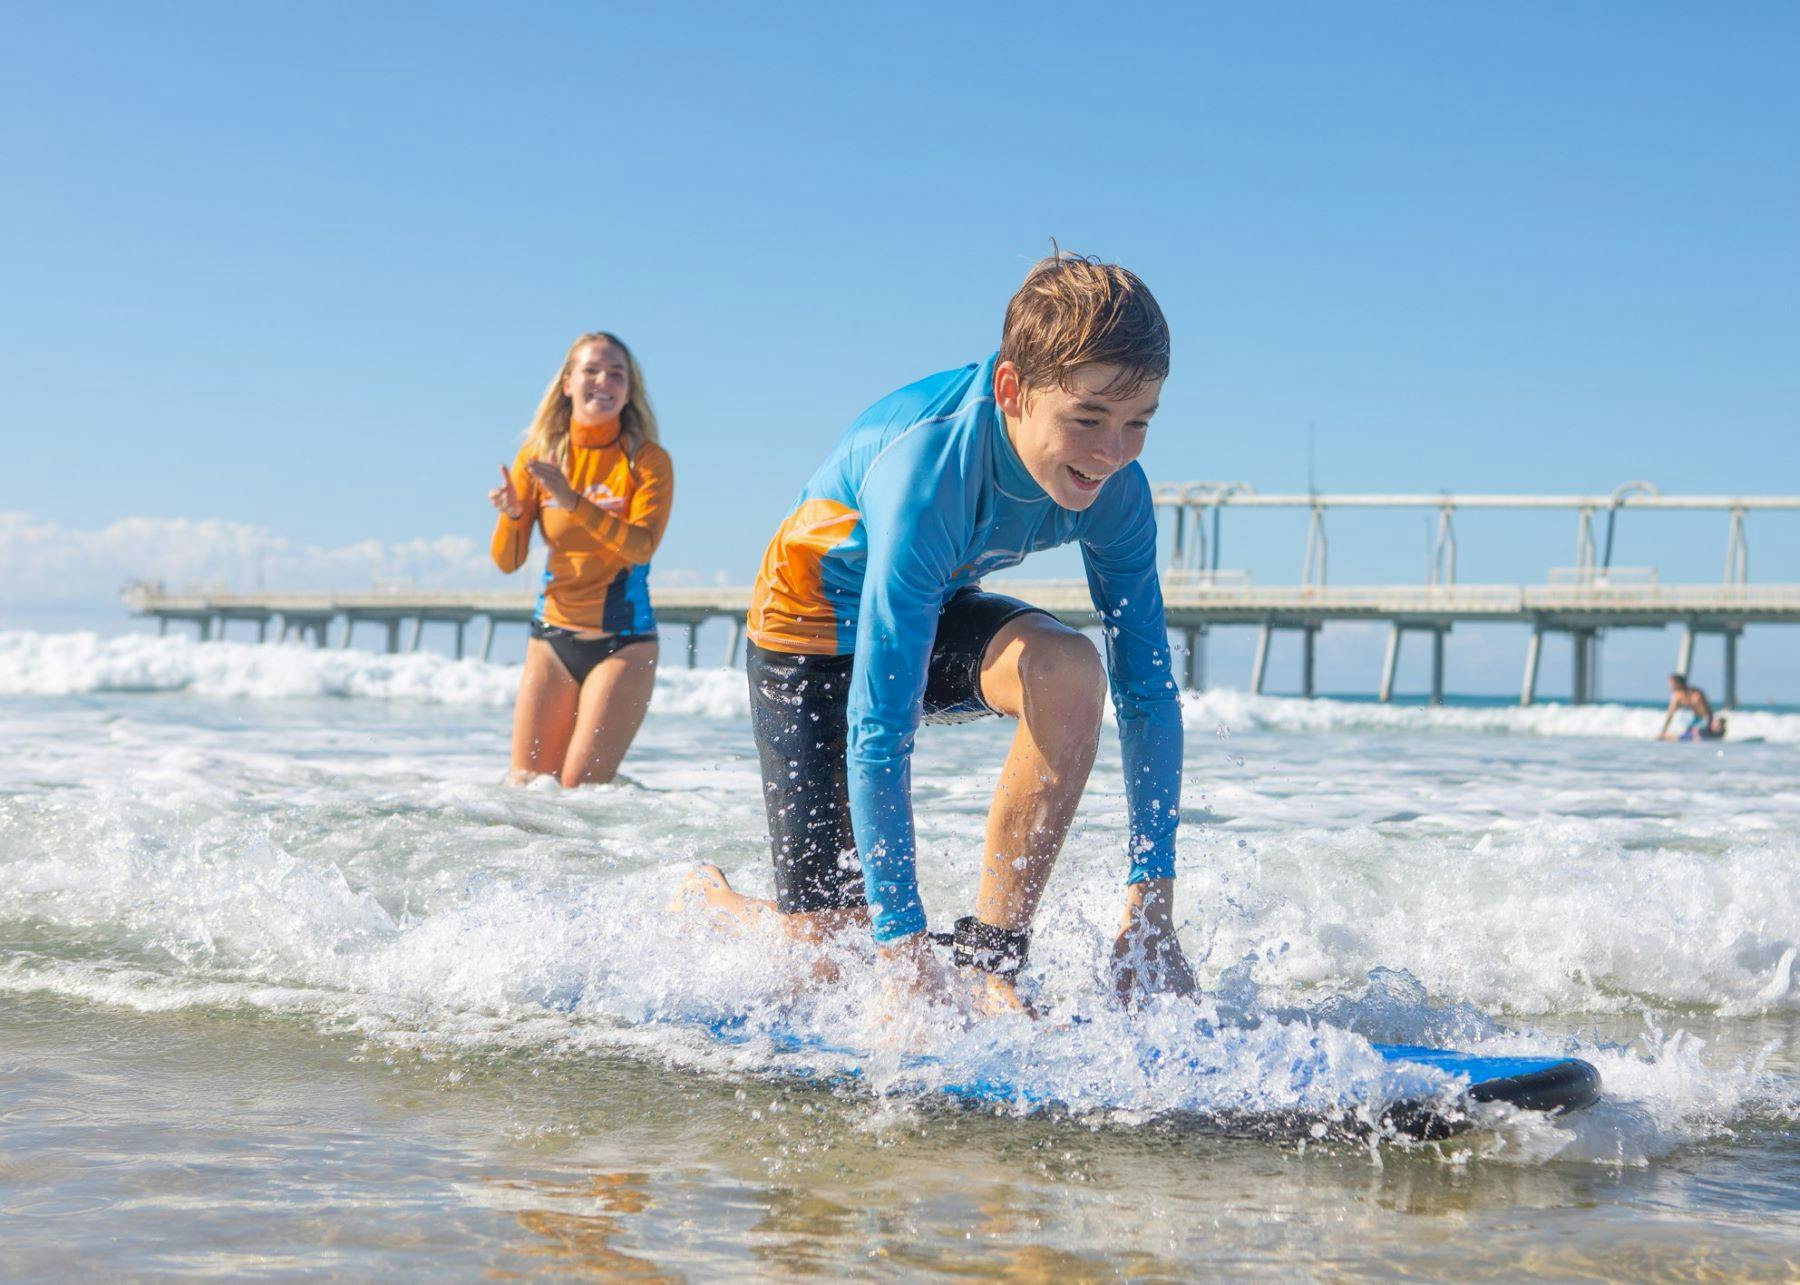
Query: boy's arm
(1668, 717)
(913, 514)
(1119, 549)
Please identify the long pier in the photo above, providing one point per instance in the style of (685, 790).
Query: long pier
(1582, 611)
(1581, 602)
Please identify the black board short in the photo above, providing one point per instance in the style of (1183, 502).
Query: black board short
(799, 709)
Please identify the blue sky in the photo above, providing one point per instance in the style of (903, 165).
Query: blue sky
(307, 267)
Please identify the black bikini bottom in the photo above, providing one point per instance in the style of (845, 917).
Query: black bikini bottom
(580, 655)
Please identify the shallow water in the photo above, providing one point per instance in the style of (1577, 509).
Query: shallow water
(288, 980)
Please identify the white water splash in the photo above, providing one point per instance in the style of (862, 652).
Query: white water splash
(357, 862)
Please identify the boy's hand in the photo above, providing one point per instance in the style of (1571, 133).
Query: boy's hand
(1147, 956)
(911, 976)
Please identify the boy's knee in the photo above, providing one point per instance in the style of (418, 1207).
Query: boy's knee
(1063, 666)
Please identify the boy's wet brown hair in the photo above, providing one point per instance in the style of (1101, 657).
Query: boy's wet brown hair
(1074, 310)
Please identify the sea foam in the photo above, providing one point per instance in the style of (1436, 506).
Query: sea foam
(42, 664)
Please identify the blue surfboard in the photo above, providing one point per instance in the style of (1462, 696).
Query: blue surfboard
(1554, 1085)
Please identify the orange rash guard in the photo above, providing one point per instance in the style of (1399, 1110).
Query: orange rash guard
(598, 572)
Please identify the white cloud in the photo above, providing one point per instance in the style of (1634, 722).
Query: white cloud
(43, 562)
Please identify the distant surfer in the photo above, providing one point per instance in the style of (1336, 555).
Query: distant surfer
(1703, 724)
(592, 478)
(868, 616)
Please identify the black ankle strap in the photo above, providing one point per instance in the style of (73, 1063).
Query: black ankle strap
(999, 951)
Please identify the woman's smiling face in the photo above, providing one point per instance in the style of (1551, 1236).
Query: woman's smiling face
(598, 383)
(1073, 439)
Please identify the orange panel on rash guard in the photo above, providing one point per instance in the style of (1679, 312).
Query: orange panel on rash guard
(789, 610)
(597, 575)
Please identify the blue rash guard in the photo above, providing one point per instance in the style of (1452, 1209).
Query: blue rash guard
(924, 495)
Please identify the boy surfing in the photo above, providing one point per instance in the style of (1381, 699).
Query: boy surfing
(1703, 723)
(868, 616)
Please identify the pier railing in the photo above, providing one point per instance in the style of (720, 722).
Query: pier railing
(1194, 507)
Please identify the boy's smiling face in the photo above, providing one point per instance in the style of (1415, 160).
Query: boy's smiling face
(1073, 439)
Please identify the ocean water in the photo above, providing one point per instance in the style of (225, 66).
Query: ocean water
(290, 980)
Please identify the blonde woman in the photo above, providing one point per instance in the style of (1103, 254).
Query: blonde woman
(593, 479)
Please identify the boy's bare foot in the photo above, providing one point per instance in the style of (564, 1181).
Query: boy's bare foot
(705, 885)
(912, 978)
(708, 892)
(998, 996)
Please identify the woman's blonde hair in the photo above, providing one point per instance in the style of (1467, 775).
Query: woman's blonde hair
(548, 435)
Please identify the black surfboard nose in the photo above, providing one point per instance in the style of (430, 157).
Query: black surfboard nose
(1569, 1085)
(1562, 1087)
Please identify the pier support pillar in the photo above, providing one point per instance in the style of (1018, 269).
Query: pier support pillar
(1194, 668)
(1581, 687)
(1533, 650)
(1437, 666)
(737, 641)
(1389, 664)
(1307, 636)
(393, 636)
(1260, 665)
(418, 629)
(1731, 637)
(162, 626)
(460, 626)
(349, 628)
(487, 637)
(262, 629)
(1684, 656)
(693, 645)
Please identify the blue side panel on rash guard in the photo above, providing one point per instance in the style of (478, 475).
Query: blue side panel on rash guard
(627, 606)
(941, 499)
